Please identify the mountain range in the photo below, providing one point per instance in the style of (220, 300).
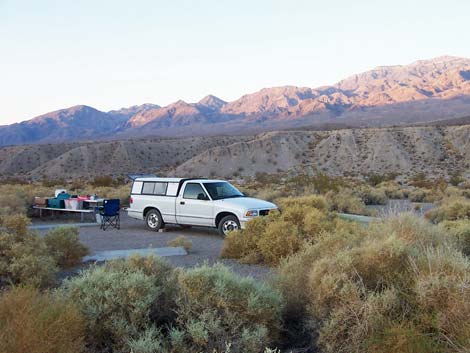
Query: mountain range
(421, 92)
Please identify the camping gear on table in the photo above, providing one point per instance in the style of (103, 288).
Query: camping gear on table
(40, 201)
(73, 204)
(59, 191)
(110, 214)
(58, 202)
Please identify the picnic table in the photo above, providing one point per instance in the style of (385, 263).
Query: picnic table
(90, 210)
(82, 212)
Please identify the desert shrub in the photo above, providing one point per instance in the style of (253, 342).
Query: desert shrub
(243, 244)
(425, 195)
(104, 180)
(16, 224)
(216, 306)
(371, 196)
(25, 259)
(181, 241)
(461, 231)
(265, 178)
(399, 285)
(269, 194)
(278, 240)
(324, 183)
(376, 179)
(451, 209)
(346, 201)
(53, 182)
(421, 181)
(456, 179)
(315, 201)
(36, 322)
(16, 199)
(393, 190)
(64, 245)
(293, 270)
(269, 239)
(121, 299)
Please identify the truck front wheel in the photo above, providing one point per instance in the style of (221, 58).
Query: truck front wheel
(154, 220)
(227, 224)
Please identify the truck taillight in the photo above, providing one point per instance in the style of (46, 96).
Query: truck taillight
(130, 200)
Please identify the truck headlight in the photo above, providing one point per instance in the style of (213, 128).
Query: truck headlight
(251, 213)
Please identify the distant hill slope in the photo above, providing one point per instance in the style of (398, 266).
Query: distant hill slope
(434, 150)
(424, 91)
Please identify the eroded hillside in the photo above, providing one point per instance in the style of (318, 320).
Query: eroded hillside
(434, 150)
(406, 151)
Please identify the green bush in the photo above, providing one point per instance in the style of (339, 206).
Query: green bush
(64, 245)
(397, 286)
(216, 307)
(36, 322)
(121, 299)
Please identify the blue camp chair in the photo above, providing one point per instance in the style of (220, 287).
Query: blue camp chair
(110, 214)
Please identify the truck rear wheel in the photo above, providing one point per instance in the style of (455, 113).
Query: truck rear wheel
(227, 224)
(154, 220)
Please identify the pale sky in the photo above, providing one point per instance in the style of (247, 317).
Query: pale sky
(111, 54)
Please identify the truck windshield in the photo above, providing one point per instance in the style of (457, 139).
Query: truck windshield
(222, 190)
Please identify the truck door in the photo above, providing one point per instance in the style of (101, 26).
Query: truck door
(193, 206)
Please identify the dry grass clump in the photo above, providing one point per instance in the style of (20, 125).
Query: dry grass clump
(36, 322)
(269, 239)
(181, 241)
(397, 286)
(450, 209)
(65, 247)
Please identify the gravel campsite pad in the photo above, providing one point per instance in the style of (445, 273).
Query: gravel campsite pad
(206, 244)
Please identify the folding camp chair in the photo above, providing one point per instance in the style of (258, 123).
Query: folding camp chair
(110, 214)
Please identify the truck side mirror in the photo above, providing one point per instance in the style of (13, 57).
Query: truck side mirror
(201, 196)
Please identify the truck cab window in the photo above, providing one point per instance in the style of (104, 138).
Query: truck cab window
(192, 191)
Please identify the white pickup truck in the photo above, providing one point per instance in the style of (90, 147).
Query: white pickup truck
(193, 202)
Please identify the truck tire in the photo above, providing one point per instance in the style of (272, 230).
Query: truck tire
(228, 224)
(154, 220)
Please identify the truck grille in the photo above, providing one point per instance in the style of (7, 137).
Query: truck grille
(263, 212)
